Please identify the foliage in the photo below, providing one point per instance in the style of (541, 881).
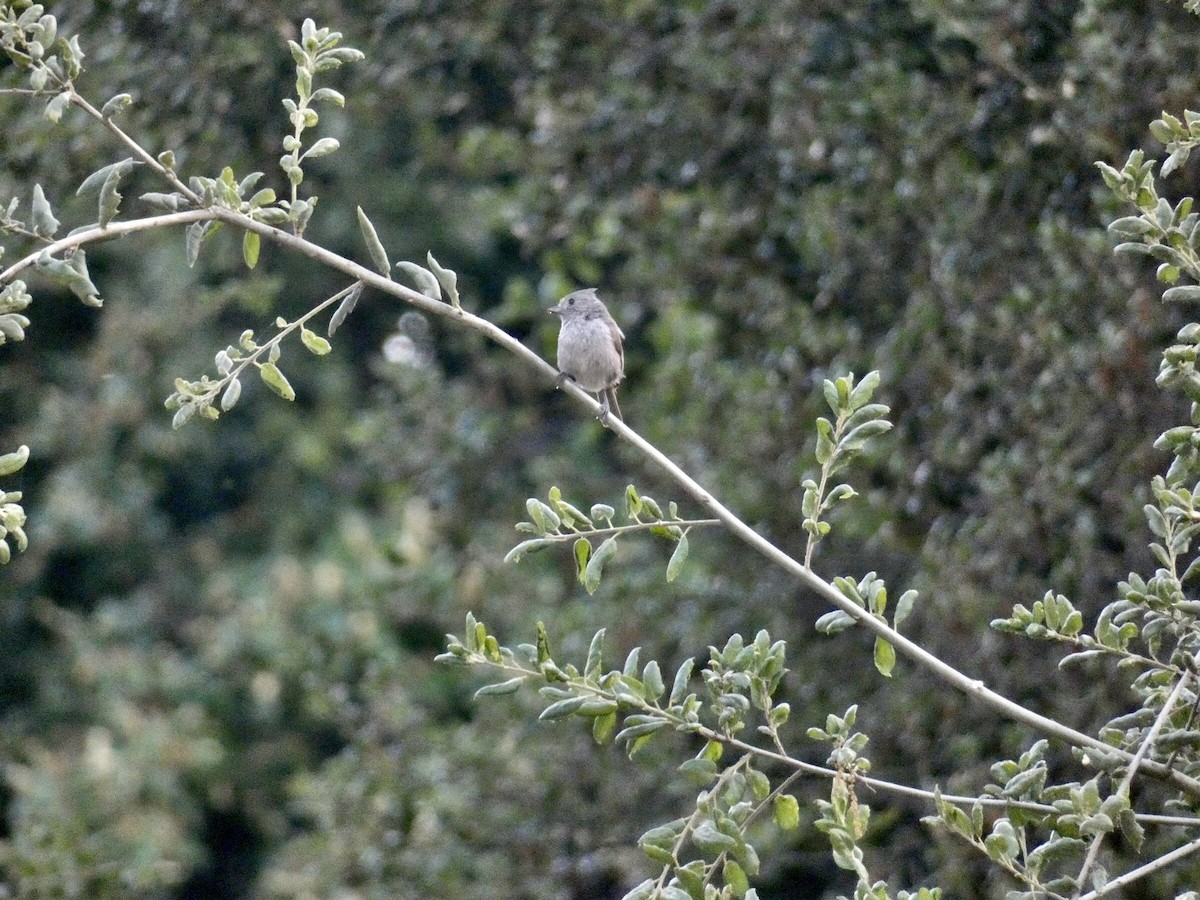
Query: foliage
(12, 516)
(216, 650)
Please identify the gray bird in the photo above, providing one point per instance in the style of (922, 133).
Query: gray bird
(589, 348)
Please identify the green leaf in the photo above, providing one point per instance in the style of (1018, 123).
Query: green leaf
(859, 435)
(735, 877)
(682, 676)
(43, 221)
(196, 234)
(652, 506)
(447, 278)
(825, 445)
(863, 390)
(837, 495)
(598, 706)
(232, 392)
(344, 308)
(80, 283)
(323, 147)
(374, 246)
(595, 566)
(1176, 159)
(511, 686)
(265, 197)
(885, 657)
(831, 395)
(632, 662)
(1130, 226)
(691, 877)
(808, 505)
(1000, 848)
(1134, 248)
(602, 512)
(275, 380)
(15, 461)
(562, 708)
(698, 771)
(116, 105)
(633, 503)
(760, 785)
(314, 341)
(183, 415)
(602, 727)
(1182, 294)
(786, 811)
(591, 668)
(424, 280)
(904, 607)
(640, 730)
(583, 552)
(658, 841)
(530, 546)
(545, 518)
(110, 199)
(675, 563)
(325, 93)
(835, 621)
(471, 632)
(54, 109)
(170, 202)
(250, 245)
(652, 679)
(1131, 829)
(97, 179)
(956, 820)
(710, 840)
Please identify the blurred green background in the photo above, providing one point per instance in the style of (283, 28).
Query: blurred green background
(216, 673)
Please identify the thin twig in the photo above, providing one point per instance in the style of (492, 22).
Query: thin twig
(1123, 789)
(622, 529)
(1148, 869)
(781, 757)
(103, 233)
(140, 152)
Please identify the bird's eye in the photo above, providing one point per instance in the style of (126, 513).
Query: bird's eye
(570, 301)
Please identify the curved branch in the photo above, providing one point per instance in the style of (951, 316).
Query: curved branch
(781, 757)
(1138, 758)
(1142, 871)
(98, 233)
(973, 688)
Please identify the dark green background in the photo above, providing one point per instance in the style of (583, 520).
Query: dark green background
(215, 657)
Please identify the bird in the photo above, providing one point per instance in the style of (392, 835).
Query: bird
(589, 348)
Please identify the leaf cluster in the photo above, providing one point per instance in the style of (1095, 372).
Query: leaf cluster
(557, 520)
(739, 678)
(12, 516)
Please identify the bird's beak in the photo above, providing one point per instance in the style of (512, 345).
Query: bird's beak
(554, 311)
